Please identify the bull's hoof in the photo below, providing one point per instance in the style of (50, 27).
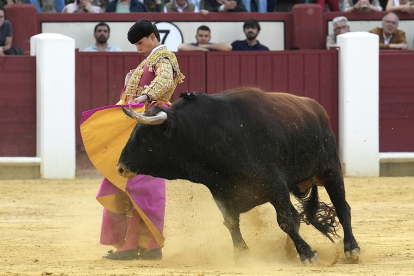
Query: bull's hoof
(290, 250)
(353, 255)
(314, 260)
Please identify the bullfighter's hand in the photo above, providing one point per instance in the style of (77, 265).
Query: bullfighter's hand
(140, 99)
(128, 76)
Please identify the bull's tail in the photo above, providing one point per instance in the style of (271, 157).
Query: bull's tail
(319, 214)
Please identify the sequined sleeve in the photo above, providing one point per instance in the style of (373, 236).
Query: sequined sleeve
(162, 86)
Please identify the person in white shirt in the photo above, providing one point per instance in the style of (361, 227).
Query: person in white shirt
(340, 26)
(180, 6)
(400, 6)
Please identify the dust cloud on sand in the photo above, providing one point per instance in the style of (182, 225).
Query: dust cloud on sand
(51, 227)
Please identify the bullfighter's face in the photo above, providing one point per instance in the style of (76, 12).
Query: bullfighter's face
(146, 45)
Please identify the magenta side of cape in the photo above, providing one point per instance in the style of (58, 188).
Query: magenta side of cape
(147, 191)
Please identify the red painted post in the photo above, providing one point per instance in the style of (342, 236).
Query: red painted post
(23, 20)
(308, 26)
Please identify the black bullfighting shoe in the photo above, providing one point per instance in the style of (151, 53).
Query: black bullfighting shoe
(152, 255)
(122, 255)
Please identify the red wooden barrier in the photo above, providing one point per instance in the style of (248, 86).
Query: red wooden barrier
(17, 106)
(396, 101)
(100, 78)
(311, 73)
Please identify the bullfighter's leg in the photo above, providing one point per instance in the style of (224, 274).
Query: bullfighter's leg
(281, 201)
(334, 185)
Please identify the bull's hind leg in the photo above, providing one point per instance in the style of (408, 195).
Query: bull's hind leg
(290, 246)
(334, 185)
(281, 201)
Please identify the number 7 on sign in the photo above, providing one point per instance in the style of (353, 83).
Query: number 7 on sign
(163, 35)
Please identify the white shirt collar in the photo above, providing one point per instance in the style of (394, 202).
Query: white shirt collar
(156, 49)
(387, 40)
(179, 8)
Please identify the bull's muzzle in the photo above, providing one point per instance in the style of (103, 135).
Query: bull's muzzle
(124, 171)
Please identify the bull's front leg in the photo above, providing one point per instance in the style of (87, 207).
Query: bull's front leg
(232, 222)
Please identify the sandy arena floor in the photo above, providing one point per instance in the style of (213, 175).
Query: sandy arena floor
(52, 228)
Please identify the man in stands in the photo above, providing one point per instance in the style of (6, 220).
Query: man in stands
(251, 29)
(340, 26)
(101, 34)
(81, 6)
(180, 6)
(126, 6)
(6, 37)
(203, 42)
(389, 36)
(224, 6)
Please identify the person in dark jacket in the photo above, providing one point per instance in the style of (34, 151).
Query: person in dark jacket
(224, 6)
(125, 6)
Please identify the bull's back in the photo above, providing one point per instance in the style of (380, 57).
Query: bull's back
(293, 132)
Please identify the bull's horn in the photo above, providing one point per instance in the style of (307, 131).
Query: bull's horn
(127, 112)
(158, 119)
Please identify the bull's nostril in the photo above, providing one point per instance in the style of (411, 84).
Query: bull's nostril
(120, 170)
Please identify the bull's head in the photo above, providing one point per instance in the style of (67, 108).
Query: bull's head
(144, 150)
(141, 118)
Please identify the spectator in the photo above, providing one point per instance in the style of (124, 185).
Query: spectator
(340, 26)
(224, 6)
(251, 29)
(101, 34)
(47, 6)
(180, 6)
(5, 2)
(362, 5)
(81, 6)
(400, 6)
(125, 6)
(255, 5)
(333, 4)
(389, 36)
(197, 3)
(203, 42)
(271, 5)
(153, 5)
(6, 37)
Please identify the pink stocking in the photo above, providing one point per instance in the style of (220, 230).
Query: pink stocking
(131, 239)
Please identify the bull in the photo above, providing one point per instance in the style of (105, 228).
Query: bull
(249, 148)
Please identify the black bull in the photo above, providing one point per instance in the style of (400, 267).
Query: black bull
(249, 148)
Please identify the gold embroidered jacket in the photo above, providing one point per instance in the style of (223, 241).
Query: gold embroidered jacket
(167, 77)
